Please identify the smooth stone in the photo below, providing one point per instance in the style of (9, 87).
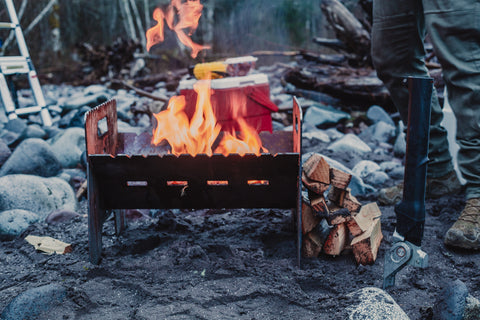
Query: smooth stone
(350, 143)
(365, 167)
(14, 222)
(69, 146)
(32, 156)
(373, 304)
(4, 152)
(319, 115)
(450, 304)
(36, 194)
(377, 178)
(31, 303)
(376, 114)
(61, 216)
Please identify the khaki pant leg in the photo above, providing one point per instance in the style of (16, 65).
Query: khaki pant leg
(398, 33)
(454, 27)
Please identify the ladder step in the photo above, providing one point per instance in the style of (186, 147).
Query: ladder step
(7, 25)
(28, 110)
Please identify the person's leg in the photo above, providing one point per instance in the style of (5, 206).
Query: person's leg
(398, 33)
(454, 26)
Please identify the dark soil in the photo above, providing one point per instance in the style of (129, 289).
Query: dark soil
(224, 264)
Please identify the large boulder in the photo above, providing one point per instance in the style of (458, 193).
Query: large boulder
(39, 195)
(32, 156)
(373, 304)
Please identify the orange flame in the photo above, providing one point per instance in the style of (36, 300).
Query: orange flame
(189, 12)
(199, 133)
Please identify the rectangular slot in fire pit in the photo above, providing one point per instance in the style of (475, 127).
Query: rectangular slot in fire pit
(126, 172)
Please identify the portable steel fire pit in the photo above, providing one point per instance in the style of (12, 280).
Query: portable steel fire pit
(126, 172)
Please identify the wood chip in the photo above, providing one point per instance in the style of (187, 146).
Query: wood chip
(49, 245)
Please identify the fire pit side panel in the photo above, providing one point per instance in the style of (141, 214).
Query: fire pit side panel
(250, 181)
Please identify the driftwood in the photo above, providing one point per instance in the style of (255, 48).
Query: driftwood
(358, 86)
(349, 31)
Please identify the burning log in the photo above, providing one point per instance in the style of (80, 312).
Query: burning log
(365, 246)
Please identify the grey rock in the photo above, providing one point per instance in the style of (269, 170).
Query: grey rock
(472, 308)
(388, 166)
(450, 304)
(319, 115)
(78, 119)
(36, 194)
(382, 132)
(16, 125)
(14, 222)
(9, 137)
(61, 216)
(317, 135)
(95, 89)
(334, 134)
(31, 303)
(377, 114)
(69, 146)
(372, 303)
(365, 167)
(400, 145)
(4, 152)
(377, 178)
(53, 131)
(350, 143)
(34, 131)
(397, 173)
(91, 101)
(32, 156)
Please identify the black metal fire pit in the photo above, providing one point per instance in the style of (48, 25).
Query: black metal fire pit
(126, 172)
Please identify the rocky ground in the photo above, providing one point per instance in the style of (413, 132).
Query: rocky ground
(209, 264)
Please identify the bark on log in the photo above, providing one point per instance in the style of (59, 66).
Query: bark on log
(348, 30)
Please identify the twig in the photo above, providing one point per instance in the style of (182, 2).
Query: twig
(140, 92)
(42, 14)
(138, 21)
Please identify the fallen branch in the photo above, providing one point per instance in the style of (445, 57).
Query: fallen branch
(140, 92)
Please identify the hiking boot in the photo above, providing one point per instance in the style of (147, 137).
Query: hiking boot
(436, 187)
(465, 232)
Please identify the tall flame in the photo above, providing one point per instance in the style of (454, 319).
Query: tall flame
(199, 133)
(188, 12)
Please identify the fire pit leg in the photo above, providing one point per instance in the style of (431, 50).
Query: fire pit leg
(119, 221)
(95, 220)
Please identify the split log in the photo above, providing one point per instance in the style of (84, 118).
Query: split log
(337, 196)
(363, 219)
(338, 215)
(365, 247)
(310, 218)
(314, 186)
(351, 203)
(316, 168)
(339, 178)
(312, 244)
(336, 240)
(319, 205)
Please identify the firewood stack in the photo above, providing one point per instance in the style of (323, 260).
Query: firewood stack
(351, 224)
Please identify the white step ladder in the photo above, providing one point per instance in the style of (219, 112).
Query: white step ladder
(10, 65)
